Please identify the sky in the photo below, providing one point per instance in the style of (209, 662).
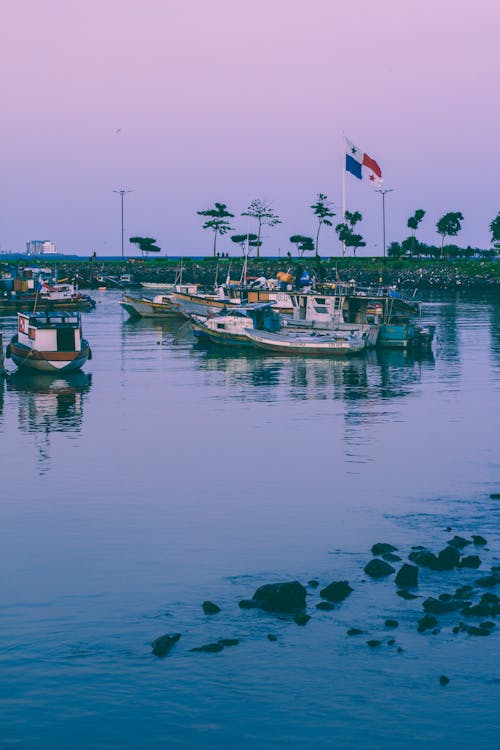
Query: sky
(189, 102)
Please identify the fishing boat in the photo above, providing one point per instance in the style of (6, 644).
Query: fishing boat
(49, 342)
(161, 306)
(230, 326)
(320, 343)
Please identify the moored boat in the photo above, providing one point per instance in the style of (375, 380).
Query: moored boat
(49, 342)
(161, 306)
(317, 343)
(230, 326)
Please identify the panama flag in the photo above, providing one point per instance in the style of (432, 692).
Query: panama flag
(361, 165)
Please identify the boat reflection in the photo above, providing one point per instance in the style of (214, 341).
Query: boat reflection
(50, 403)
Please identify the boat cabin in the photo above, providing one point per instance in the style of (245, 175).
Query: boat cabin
(50, 332)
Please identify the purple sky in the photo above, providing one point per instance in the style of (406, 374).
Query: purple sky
(228, 101)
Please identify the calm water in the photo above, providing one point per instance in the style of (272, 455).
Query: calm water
(170, 474)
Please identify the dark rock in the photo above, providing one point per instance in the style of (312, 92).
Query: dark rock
(163, 644)
(419, 546)
(489, 598)
(382, 547)
(438, 607)
(488, 582)
(495, 495)
(279, 597)
(325, 606)
(479, 540)
(228, 641)
(456, 629)
(459, 542)
(444, 680)
(427, 622)
(391, 642)
(448, 529)
(391, 623)
(336, 591)
(445, 597)
(247, 604)
(313, 584)
(210, 608)
(448, 558)
(374, 643)
(391, 557)
(425, 558)
(407, 576)
(301, 619)
(400, 650)
(473, 630)
(378, 568)
(209, 648)
(488, 625)
(354, 631)
(271, 637)
(470, 561)
(406, 595)
(476, 610)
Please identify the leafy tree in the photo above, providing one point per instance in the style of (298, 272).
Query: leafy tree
(323, 213)
(345, 231)
(145, 244)
(449, 225)
(217, 221)
(495, 231)
(413, 223)
(303, 244)
(246, 241)
(395, 250)
(261, 211)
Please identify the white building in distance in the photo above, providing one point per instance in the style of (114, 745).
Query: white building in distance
(41, 247)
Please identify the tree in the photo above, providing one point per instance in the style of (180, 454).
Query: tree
(217, 221)
(247, 242)
(413, 223)
(323, 213)
(261, 211)
(345, 231)
(495, 231)
(449, 225)
(146, 244)
(303, 244)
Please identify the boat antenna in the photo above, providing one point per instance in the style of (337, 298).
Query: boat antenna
(38, 287)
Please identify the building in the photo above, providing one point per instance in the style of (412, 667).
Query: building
(41, 247)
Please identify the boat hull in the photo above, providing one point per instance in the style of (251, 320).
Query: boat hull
(323, 346)
(26, 304)
(144, 308)
(49, 361)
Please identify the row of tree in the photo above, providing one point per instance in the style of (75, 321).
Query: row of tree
(449, 225)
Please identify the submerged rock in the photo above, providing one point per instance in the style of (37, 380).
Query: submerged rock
(391, 623)
(163, 644)
(336, 591)
(278, 597)
(378, 568)
(440, 607)
(382, 547)
(407, 576)
(448, 558)
(459, 542)
(427, 622)
(479, 540)
(313, 584)
(463, 592)
(228, 641)
(374, 643)
(210, 608)
(325, 606)
(209, 648)
(406, 595)
(354, 631)
(271, 637)
(470, 561)
(301, 619)
(488, 582)
(495, 495)
(425, 558)
(444, 680)
(391, 557)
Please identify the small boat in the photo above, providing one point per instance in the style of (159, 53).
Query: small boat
(160, 286)
(49, 342)
(230, 326)
(322, 343)
(161, 306)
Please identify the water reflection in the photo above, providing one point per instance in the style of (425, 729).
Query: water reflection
(50, 403)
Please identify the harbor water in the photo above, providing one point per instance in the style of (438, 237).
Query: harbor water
(166, 474)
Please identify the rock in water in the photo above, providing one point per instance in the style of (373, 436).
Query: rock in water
(378, 569)
(444, 680)
(425, 558)
(278, 597)
(336, 591)
(382, 547)
(407, 576)
(163, 644)
(210, 608)
(459, 542)
(448, 558)
(209, 648)
(470, 561)
(478, 540)
(301, 619)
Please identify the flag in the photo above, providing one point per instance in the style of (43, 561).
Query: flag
(361, 165)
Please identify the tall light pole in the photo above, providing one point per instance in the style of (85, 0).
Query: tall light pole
(121, 193)
(383, 192)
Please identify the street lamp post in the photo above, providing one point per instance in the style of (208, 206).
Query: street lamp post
(121, 193)
(383, 192)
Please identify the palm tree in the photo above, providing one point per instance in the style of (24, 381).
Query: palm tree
(261, 210)
(495, 231)
(413, 223)
(345, 231)
(217, 221)
(302, 243)
(322, 210)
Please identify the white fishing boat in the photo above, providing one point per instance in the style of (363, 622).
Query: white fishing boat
(49, 342)
(158, 285)
(192, 302)
(230, 326)
(320, 343)
(161, 306)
